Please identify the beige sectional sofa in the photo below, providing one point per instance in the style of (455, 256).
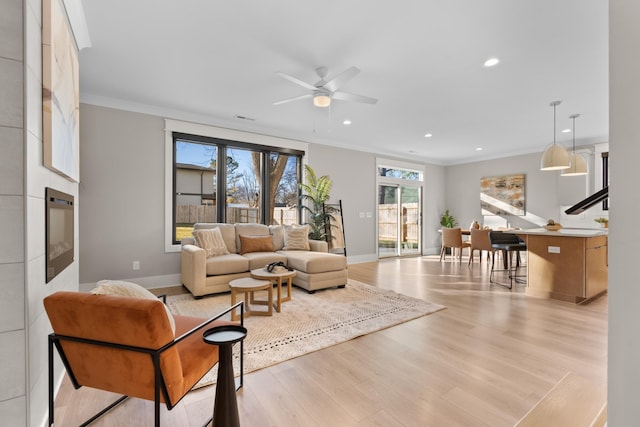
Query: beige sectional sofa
(202, 275)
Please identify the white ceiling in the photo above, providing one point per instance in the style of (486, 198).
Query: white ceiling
(211, 60)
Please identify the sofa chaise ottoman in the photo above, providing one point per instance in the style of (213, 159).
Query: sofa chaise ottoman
(211, 259)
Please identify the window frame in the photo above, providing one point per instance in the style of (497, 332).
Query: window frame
(222, 138)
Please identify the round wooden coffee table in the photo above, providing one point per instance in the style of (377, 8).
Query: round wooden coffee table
(276, 278)
(248, 286)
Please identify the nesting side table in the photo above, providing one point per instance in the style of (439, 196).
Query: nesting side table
(248, 286)
(276, 278)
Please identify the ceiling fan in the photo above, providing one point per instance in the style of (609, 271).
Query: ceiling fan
(324, 91)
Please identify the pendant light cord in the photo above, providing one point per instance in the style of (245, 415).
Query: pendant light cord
(573, 132)
(554, 104)
(554, 124)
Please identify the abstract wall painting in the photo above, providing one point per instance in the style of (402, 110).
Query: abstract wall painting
(60, 93)
(503, 195)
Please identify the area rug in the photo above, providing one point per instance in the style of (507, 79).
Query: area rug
(308, 322)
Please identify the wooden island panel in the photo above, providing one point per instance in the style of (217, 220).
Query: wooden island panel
(597, 260)
(566, 267)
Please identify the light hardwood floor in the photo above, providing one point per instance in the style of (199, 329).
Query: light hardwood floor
(484, 361)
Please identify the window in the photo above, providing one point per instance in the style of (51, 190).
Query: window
(257, 184)
(195, 186)
(243, 185)
(284, 172)
(408, 174)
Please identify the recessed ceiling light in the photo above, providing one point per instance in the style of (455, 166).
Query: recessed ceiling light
(428, 135)
(479, 149)
(346, 122)
(491, 62)
(566, 130)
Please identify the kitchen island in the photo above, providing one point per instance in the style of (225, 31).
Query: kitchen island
(570, 264)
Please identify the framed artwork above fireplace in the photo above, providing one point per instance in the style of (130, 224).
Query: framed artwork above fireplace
(60, 93)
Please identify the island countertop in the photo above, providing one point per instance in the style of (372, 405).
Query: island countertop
(564, 232)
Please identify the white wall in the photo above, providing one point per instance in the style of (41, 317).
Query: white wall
(122, 192)
(354, 182)
(624, 233)
(435, 205)
(122, 218)
(24, 325)
(354, 177)
(13, 332)
(546, 192)
(123, 196)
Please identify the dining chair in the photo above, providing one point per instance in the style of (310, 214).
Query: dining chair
(452, 238)
(480, 242)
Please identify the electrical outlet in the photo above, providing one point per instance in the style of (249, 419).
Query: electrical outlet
(136, 265)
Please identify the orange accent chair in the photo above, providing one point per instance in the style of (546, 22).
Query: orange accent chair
(452, 238)
(127, 346)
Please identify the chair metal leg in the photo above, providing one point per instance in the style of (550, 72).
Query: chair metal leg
(508, 270)
(515, 276)
(51, 400)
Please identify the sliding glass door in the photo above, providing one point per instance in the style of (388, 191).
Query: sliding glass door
(399, 220)
(410, 215)
(388, 221)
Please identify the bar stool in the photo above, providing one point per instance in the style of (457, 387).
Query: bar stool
(508, 244)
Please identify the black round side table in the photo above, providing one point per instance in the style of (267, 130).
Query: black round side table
(225, 407)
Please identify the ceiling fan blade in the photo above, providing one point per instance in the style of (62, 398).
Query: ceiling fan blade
(341, 79)
(346, 96)
(297, 98)
(296, 80)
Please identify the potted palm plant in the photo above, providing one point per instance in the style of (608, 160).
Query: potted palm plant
(315, 194)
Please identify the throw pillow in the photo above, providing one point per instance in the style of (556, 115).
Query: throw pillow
(210, 239)
(277, 232)
(119, 288)
(296, 238)
(256, 244)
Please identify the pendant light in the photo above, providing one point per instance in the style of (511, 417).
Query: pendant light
(578, 163)
(555, 157)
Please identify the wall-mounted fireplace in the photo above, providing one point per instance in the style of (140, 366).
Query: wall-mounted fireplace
(58, 231)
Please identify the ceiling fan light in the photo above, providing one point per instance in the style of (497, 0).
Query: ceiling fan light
(578, 166)
(321, 101)
(555, 157)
